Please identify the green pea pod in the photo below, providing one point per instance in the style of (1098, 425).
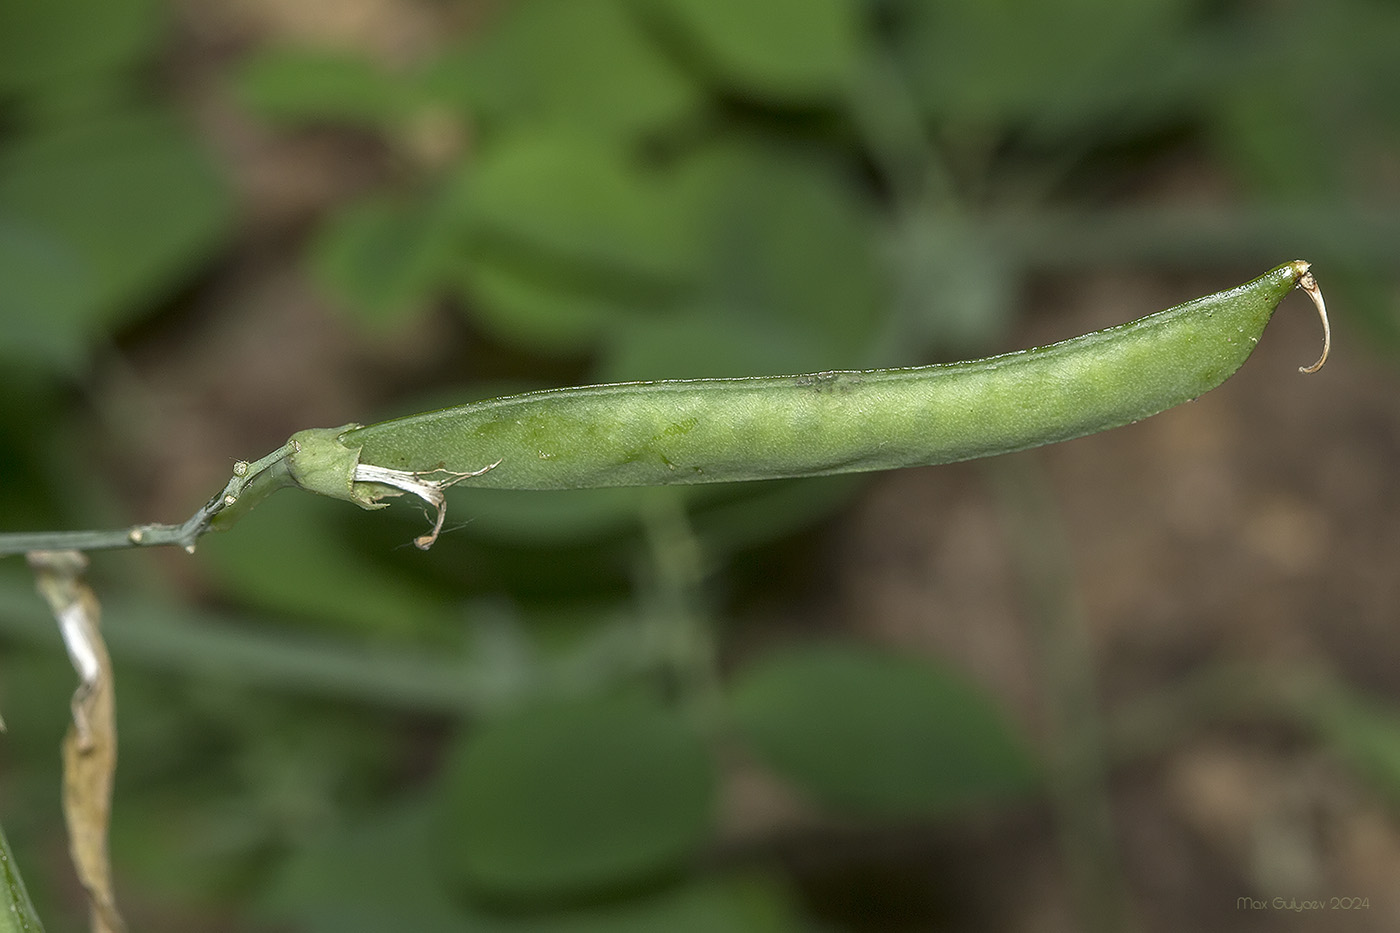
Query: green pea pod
(769, 427)
(723, 430)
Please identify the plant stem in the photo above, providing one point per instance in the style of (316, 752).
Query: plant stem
(16, 912)
(250, 483)
(260, 653)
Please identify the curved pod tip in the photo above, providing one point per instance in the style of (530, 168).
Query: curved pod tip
(1303, 271)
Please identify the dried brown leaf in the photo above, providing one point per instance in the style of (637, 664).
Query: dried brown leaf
(90, 747)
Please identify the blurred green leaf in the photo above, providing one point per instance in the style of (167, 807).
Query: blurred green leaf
(34, 695)
(701, 343)
(16, 913)
(708, 906)
(47, 292)
(782, 50)
(564, 798)
(221, 780)
(293, 558)
(366, 877)
(744, 515)
(549, 517)
(308, 85)
(582, 64)
(705, 341)
(877, 733)
(788, 250)
(378, 874)
(129, 202)
(384, 257)
(1310, 97)
(51, 42)
(1055, 67)
(752, 260)
(207, 827)
(1271, 141)
(729, 516)
(579, 199)
(531, 304)
(568, 235)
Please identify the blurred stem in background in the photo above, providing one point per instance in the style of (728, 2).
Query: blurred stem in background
(260, 653)
(887, 119)
(675, 609)
(1074, 748)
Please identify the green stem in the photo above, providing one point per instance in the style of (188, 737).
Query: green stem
(16, 912)
(260, 653)
(250, 483)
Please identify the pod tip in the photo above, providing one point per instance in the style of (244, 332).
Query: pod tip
(1309, 284)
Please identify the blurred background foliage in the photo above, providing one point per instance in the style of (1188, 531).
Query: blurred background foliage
(539, 724)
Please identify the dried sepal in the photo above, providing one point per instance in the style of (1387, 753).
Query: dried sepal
(374, 483)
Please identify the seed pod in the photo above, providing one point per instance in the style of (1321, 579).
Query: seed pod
(724, 430)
